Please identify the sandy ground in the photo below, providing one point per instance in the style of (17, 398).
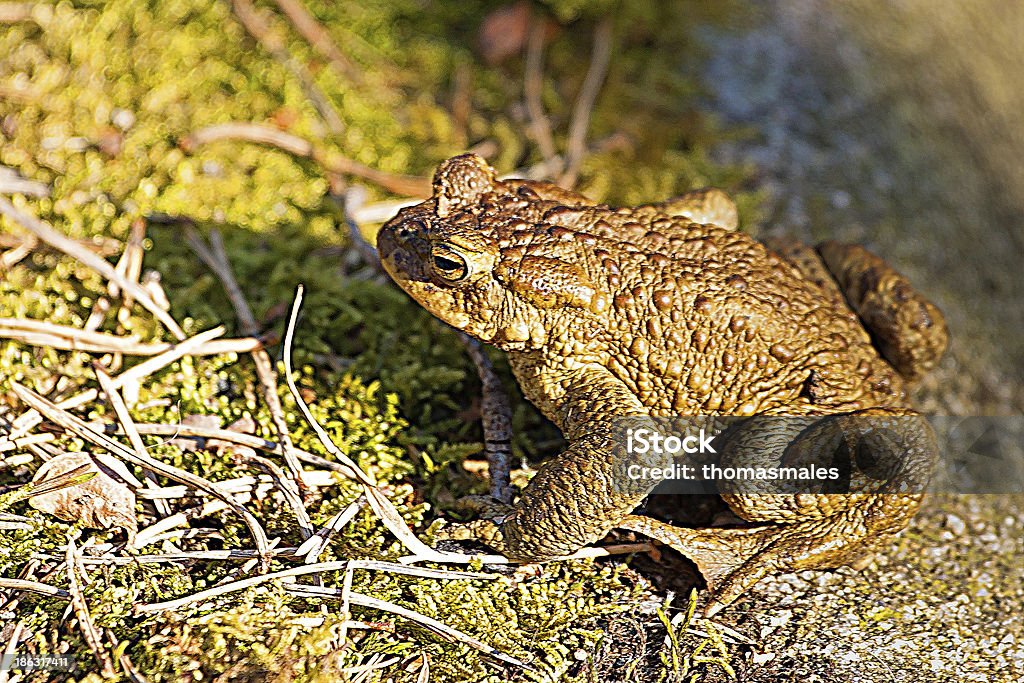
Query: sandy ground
(847, 146)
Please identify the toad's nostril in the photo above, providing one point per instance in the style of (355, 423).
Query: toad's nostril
(408, 231)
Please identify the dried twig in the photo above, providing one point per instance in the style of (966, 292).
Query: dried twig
(31, 418)
(128, 425)
(533, 87)
(130, 266)
(179, 557)
(259, 28)
(12, 182)
(254, 485)
(181, 518)
(14, 256)
(103, 246)
(216, 258)
(314, 546)
(33, 587)
(72, 248)
(319, 567)
(381, 506)
(587, 553)
(186, 431)
(82, 429)
(318, 36)
(85, 622)
(331, 162)
(10, 648)
(66, 338)
(577, 146)
(356, 598)
(423, 620)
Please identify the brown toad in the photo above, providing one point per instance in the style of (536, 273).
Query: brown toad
(666, 310)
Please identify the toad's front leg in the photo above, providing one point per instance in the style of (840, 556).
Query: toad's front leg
(584, 492)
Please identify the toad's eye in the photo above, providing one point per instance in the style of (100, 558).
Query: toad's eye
(448, 263)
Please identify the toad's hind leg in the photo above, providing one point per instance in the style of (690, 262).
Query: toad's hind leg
(884, 458)
(908, 329)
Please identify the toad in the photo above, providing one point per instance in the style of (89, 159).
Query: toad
(667, 310)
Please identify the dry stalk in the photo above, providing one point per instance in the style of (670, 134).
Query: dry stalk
(128, 425)
(65, 338)
(73, 249)
(331, 162)
(80, 428)
(576, 148)
(34, 587)
(259, 28)
(318, 36)
(533, 88)
(215, 257)
(81, 608)
(381, 506)
(31, 418)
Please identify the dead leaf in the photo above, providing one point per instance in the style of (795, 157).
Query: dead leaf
(504, 32)
(101, 502)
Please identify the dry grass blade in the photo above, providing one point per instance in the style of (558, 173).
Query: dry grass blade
(183, 557)
(576, 148)
(10, 258)
(180, 519)
(331, 162)
(423, 620)
(259, 28)
(85, 622)
(216, 258)
(33, 587)
(318, 36)
(533, 87)
(71, 247)
(360, 672)
(82, 429)
(128, 424)
(230, 436)
(9, 649)
(256, 486)
(12, 182)
(582, 554)
(40, 333)
(319, 567)
(31, 418)
(130, 266)
(315, 544)
(381, 506)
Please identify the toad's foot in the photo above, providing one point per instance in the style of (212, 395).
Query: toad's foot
(486, 529)
(733, 560)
